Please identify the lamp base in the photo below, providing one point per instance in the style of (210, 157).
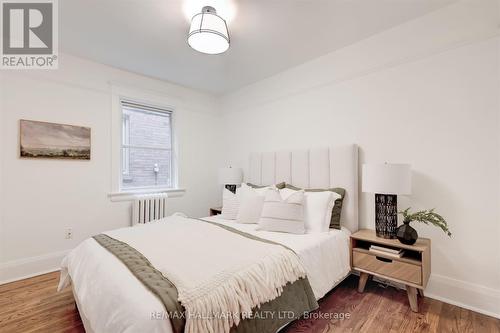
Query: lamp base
(231, 187)
(386, 215)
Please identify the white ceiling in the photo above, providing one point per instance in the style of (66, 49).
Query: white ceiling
(267, 36)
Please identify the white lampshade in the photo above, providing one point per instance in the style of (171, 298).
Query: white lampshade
(208, 32)
(230, 176)
(387, 178)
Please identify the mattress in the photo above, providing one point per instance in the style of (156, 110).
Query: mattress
(113, 300)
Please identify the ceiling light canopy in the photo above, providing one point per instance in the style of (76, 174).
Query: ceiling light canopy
(208, 33)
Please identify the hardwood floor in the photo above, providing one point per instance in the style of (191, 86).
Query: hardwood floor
(386, 310)
(33, 305)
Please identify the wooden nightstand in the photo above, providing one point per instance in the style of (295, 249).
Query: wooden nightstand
(412, 270)
(215, 211)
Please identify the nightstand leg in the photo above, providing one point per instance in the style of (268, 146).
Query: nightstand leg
(362, 281)
(421, 292)
(412, 298)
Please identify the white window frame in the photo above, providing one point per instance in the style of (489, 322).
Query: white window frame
(126, 146)
(149, 98)
(125, 142)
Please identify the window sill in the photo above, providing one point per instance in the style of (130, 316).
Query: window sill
(129, 195)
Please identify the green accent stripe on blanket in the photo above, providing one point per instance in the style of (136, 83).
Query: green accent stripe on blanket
(245, 234)
(296, 299)
(149, 276)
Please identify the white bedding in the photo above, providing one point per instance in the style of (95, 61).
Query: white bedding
(113, 300)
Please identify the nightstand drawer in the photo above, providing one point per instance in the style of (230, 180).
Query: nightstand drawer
(388, 267)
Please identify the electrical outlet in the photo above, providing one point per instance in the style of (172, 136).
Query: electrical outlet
(69, 233)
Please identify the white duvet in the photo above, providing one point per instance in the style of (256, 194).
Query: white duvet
(113, 300)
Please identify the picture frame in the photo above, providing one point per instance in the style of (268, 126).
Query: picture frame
(45, 140)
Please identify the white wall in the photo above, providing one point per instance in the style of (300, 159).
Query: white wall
(424, 93)
(43, 197)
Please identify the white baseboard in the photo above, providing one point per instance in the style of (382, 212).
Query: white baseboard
(467, 295)
(28, 267)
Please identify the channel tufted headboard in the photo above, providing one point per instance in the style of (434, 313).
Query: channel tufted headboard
(314, 168)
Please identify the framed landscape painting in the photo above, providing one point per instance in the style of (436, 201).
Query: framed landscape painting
(49, 140)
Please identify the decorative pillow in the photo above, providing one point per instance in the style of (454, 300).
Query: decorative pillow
(339, 195)
(317, 206)
(278, 186)
(230, 204)
(283, 215)
(251, 201)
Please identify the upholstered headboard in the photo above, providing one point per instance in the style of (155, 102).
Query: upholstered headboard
(313, 168)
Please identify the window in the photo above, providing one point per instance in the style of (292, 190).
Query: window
(125, 143)
(146, 146)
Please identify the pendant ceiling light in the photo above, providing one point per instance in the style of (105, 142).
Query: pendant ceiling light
(208, 33)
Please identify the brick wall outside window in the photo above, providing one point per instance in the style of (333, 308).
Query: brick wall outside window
(148, 129)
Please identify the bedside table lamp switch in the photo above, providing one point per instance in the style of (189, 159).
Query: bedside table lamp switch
(230, 178)
(387, 181)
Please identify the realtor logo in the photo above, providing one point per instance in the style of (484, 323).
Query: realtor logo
(29, 34)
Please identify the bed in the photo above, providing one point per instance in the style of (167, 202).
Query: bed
(111, 299)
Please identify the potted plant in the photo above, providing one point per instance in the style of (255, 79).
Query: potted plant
(407, 235)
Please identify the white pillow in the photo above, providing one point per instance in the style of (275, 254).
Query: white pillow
(283, 215)
(318, 208)
(230, 204)
(261, 190)
(251, 201)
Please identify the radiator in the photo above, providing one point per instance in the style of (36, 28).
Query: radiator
(149, 207)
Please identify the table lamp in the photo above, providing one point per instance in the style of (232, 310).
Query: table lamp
(230, 177)
(387, 181)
